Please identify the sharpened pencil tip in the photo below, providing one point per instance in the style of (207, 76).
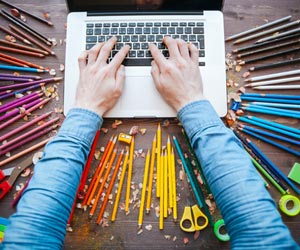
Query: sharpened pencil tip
(247, 85)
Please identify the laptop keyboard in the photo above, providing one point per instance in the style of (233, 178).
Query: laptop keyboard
(138, 35)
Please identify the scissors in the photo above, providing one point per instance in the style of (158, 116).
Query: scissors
(14, 172)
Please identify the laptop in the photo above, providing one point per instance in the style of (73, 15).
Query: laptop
(137, 23)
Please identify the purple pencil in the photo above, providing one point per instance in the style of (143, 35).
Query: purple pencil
(25, 126)
(29, 139)
(21, 102)
(15, 79)
(19, 110)
(30, 83)
(20, 76)
(12, 120)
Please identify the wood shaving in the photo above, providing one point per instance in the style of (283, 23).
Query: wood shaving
(116, 123)
(185, 240)
(36, 157)
(234, 96)
(240, 112)
(156, 209)
(52, 72)
(242, 90)
(246, 74)
(167, 236)
(174, 238)
(19, 95)
(26, 172)
(238, 68)
(134, 130)
(196, 235)
(104, 130)
(10, 38)
(106, 214)
(148, 227)
(97, 154)
(143, 131)
(23, 18)
(58, 110)
(181, 175)
(15, 12)
(46, 15)
(61, 67)
(112, 237)
(69, 228)
(139, 231)
(166, 123)
(8, 154)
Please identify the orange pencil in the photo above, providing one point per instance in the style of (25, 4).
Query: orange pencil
(23, 52)
(116, 170)
(29, 64)
(12, 62)
(111, 161)
(20, 46)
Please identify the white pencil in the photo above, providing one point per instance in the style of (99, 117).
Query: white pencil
(291, 79)
(278, 35)
(270, 76)
(267, 32)
(277, 87)
(258, 28)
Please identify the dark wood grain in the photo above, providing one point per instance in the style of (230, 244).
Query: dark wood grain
(122, 234)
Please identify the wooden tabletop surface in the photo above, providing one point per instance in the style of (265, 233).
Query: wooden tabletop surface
(123, 233)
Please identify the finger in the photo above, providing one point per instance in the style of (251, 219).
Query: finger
(172, 47)
(183, 48)
(105, 50)
(158, 57)
(82, 59)
(120, 78)
(119, 57)
(155, 73)
(93, 53)
(193, 52)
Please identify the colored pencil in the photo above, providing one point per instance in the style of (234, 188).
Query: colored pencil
(168, 151)
(32, 40)
(271, 108)
(274, 47)
(14, 79)
(279, 96)
(24, 152)
(20, 46)
(158, 161)
(286, 33)
(271, 142)
(258, 28)
(258, 45)
(25, 27)
(278, 87)
(277, 64)
(9, 61)
(27, 140)
(269, 99)
(12, 120)
(20, 85)
(24, 126)
(27, 13)
(21, 51)
(275, 75)
(281, 53)
(20, 76)
(116, 204)
(97, 171)
(273, 126)
(278, 112)
(110, 186)
(129, 175)
(144, 188)
(269, 31)
(280, 105)
(15, 35)
(104, 179)
(165, 185)
(152, 162)
(276, 81)
(274, 168)
(174, 186)
(161, 193)
(6, 67)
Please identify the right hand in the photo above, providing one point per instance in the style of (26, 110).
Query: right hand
(178, 78)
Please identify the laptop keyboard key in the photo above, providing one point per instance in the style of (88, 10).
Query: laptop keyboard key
(198, 30)
(137, 62)
(90, 32)
(91, 39)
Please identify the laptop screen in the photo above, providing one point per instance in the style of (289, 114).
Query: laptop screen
(144, 5)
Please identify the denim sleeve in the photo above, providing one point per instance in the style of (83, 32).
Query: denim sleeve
(43, 211)
(249, 212)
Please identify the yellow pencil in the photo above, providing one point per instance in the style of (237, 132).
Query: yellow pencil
(141, 213)
(158, 162)
(161, 200)
(174, 186)
(129, 175)
(148, 205)
(124, 167)
(165, 181)
(169, 172)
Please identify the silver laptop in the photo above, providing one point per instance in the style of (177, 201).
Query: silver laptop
(138, 23)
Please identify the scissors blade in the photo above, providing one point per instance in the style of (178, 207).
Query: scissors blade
(8, 171)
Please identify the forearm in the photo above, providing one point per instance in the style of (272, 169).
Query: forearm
(250, 214)
(42, 213)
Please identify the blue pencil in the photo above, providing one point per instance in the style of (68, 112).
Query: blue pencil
(266, 126)
(277, 96)
(263, 132)
(294, 152)
(272, 109)
(7, 67)
(263, 99)
(274, 124)
(280, 105)
(271, 112)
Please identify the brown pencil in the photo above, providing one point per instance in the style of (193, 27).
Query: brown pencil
(2, 59)
(15, 59)
(20, 46)
(28, 13)
(14, 35)
(14, 28)
(25, 27)
(24, 52)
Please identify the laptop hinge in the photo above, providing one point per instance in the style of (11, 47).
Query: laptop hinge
(144, 13)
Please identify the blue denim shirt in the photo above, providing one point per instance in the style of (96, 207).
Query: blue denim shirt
(250, 214)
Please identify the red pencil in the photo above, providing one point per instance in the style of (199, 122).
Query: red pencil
(23, 52)
(32, 65)
(20, 46)
(12, 62)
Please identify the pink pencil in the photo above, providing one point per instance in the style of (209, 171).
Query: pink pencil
(5, 124)
(24, 126)
(33, 131)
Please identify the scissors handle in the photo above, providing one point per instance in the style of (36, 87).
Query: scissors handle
(198, 215)
(186, 222)
(4, 188)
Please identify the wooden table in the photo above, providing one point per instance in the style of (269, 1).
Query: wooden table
(122, 234)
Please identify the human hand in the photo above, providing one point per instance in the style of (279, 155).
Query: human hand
(100, 83)
(178, 78)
